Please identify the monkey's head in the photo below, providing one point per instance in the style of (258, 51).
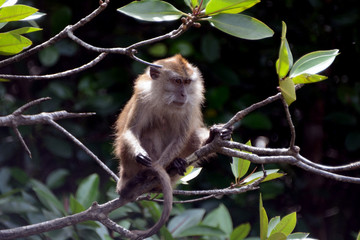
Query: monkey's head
(177, 84)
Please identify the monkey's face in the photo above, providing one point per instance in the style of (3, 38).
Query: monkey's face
(177, 90)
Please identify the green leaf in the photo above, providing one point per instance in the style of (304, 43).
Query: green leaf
(185, 220)
(286, 225)
(47, 198)
(153, 208)
(287, 88)
(16, 12)
(239, 166)
(241, 26)
(263, 220)
(190, 174)
(313, 62)
(308, 78)
(88, 190)
(241, 232)
(57, 178)
(358, 236)
(298, 236)
(2, 2)
(272, 224)
(25, 30)
(75, 206)
(228, 6)
(277, 236)
(201, 230)
(220, 218)
(270, 175)
(49, 56)
(151, 10)
(285, 61)
(12, 43)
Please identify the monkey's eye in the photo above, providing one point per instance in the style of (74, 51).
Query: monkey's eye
(177, 80)
(187, 81)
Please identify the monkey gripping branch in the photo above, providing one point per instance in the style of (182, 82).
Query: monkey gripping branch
(227, 17)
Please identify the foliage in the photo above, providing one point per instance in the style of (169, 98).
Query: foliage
(230, 85)
(223, 15)
(303, 70)
(31, 201)
(13, 42)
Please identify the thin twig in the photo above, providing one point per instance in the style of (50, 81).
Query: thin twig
(22, 141)
(67, 73)
(241, 114)
(62, 34)
(83, 147)
(291, 124)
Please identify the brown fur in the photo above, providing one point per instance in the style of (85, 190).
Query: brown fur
(163, 121)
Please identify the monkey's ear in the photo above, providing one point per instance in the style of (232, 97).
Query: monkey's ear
(154, 72)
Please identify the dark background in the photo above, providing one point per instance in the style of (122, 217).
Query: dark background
(237, 73)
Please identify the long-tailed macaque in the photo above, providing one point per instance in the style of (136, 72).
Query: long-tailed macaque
(160, 126)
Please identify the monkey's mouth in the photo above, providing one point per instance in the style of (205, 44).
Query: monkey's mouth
(178, 104)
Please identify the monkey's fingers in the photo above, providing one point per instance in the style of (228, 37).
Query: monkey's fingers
(225, 133)
(180, 165)
(144, 160)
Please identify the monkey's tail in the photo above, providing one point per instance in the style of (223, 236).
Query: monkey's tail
(168, 200)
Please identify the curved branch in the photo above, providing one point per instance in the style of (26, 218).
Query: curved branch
(70, 72)
(62, 34)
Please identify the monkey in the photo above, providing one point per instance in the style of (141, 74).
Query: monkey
(160, 125)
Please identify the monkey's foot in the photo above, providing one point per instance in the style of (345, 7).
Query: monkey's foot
(180, 165)
(144, 160)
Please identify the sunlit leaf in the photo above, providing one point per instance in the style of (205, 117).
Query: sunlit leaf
(277, 236)
(239, 166)
(286, 225)
(152, 10)
(190, 174)
(241, 232)
(8, 3)
(24, 30)
(35, 16)
(313, 62)
(263, 220)
(13, 43)
(299, 236)
(241, 26)
(287, 88)
(308, 78)
(270, 175)
(228, 6)
(16, 12)
(272, 224)
(2, 2)
(285, 61)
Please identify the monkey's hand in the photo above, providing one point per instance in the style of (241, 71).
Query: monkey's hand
(143, 159)
(218, 129)
(180, 165)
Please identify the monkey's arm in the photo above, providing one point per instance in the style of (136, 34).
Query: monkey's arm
(131, 140)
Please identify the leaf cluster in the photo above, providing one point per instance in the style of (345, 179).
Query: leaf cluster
(13, 41)
(303, 71)
(221, 14)
(31, 201)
